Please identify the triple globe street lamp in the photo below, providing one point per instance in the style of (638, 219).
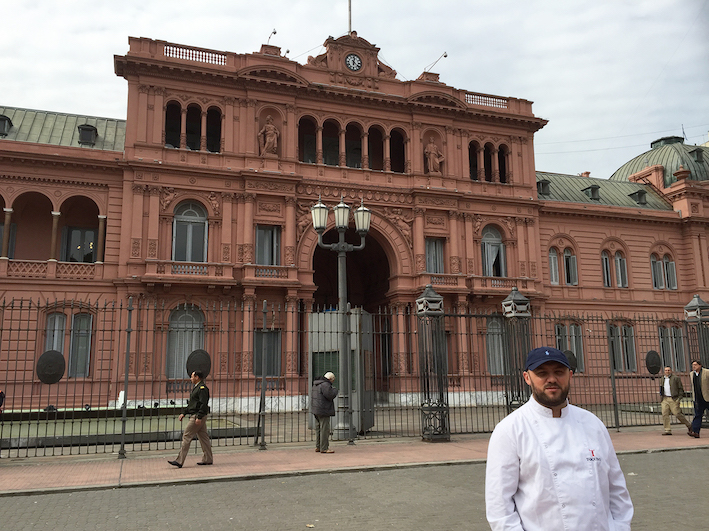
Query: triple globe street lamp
(362, 217)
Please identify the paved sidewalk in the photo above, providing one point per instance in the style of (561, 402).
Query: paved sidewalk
(51, 474)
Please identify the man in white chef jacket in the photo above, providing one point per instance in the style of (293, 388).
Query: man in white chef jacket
(551, 465)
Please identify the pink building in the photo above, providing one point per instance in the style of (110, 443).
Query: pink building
(197, 206)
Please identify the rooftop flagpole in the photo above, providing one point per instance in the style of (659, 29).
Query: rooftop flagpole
(349, 9)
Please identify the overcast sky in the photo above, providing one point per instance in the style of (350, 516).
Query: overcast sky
(609, 75)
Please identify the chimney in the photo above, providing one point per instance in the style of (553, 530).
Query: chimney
(585, 174)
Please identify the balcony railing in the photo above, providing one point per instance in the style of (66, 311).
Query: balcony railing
(50, 269)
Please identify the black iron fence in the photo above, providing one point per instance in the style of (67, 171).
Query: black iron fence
(110, 376)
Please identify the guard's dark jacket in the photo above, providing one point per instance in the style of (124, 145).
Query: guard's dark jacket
(199, 401)
(322, 399)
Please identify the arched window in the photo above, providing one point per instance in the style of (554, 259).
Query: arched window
(185, 334)
(189, 233)
(331, 143)
(353, 146)
(621, 342)
(375, 149)
(502, 162)
(571, 277)
(307, 141)
(473, 149)
(670, 272)
(397, 152)
(214, 130)
(553, 266)
(79, 338)
(493, 253)
(194, 127)
(487, 157)
(672, 347)
(571, 338)
(173, 121)
(664, 273)
(606, 268)
(621, 270)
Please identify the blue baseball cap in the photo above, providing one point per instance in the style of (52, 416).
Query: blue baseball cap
(541, 355)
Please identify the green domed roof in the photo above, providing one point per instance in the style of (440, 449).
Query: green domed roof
(669, 152)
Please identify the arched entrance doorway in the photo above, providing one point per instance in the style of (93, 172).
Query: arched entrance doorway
(367, 273)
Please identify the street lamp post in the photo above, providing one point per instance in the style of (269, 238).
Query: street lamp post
(362, 216)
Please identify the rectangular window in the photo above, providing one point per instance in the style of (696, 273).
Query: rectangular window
(78, 245)
(621, 271)
(621, 341)
(571, 338)
(493, 255)
(268, 245)
(576, 345)
(571, 275)
(670, 274)
(553, 267)
(606, 266)
(495, 346)
(56, 324)
(80, 347)
(560, 332)
(658, 275)
(672, 348)
(434, 256)
(271, 340)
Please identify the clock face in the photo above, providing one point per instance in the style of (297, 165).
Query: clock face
(353, 62)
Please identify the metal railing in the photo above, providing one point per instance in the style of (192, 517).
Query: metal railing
(82, 411)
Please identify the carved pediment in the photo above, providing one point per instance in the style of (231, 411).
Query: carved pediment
(272, 74)
(438, 99)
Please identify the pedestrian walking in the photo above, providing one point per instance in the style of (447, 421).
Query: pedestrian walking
(550, 465)
(323, 407)
(672, 392)
(700, 394)
(197, 409)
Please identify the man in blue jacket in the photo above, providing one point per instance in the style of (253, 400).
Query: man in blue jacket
(323, 407)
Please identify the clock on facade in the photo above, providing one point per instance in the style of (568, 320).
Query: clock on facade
(353, 62)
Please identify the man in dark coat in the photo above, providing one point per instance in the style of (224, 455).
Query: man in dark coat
(323, 407)
(197, 409)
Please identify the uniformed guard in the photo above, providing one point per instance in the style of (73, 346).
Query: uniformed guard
(197, 410)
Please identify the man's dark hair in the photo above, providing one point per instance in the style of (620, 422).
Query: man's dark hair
(697, 361)
(199, 374)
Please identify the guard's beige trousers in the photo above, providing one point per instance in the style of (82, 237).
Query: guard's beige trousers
(200, 430)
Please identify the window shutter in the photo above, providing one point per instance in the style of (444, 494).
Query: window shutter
(671, 275)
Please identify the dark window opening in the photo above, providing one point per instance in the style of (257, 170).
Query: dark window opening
(502, 163)
(353, 146)
(79, 245)
(488, 163)
(331, 144)
(5, 125)
(214, 130)
(194, 127)
(87, 134)
(173, 119)
(473, 160)
(397, 152)
(307, 150)
(375, 147)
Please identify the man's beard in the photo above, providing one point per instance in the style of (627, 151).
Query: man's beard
(549, 402)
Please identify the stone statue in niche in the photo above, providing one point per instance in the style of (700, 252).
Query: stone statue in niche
(434, 157)
(268, 138)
